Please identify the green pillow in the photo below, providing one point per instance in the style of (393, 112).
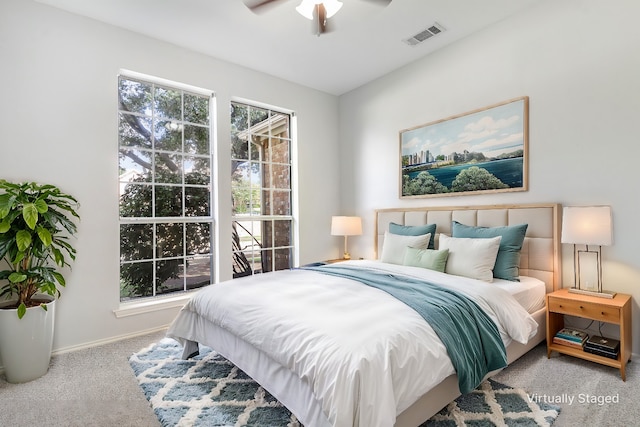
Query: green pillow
(414, 230)
(508, 260)
(426, 258)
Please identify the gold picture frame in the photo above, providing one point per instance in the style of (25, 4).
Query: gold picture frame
(478, 152)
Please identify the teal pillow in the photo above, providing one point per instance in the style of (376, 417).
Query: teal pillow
(414, 230)
(426, 258)
(508, 261)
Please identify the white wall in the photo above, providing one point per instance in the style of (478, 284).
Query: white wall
(58, 115)
(578, 61)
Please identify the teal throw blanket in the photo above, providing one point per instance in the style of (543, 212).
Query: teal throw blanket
(468, 333)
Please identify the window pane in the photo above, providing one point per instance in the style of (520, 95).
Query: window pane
(198, 272)
(135, 166)
(256, 118)
(281, 202)
(267, 237)
(283, 259)
(279, 125)
(196, 139)
(168, 201)
(167, 135)
(257, 147)
(135, 242)
(135, 96)
(239, 117)
(279, 152)
(241, 195)
(239, 147)
(169, 276)
(136, 280)
(255, 260)
(282, 233)
(281, 175)
(198, 238)
(267, 261)
(168, 168)
(168, 103)
(197, 170)
(169, 239)
(134, 131)
(196, 201)
(196, 109)
(135, 201)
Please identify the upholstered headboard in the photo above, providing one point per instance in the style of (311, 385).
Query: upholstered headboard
(540, 255)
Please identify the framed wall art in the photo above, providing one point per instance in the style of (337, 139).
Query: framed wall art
(482, 151)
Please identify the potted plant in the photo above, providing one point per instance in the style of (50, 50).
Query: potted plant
(36, 222)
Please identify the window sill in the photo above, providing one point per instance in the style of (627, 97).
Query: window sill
(150, 305)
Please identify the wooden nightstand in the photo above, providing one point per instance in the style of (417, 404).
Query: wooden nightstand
(616, 311)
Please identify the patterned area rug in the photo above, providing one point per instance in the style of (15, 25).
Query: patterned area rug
(208, 390)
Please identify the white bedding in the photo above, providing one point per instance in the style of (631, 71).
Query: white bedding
(529, 292)
(365, 355)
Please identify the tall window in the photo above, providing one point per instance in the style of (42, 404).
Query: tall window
(165, 159)
(261, 190)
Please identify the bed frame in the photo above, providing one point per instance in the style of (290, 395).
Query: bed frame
(540, 258)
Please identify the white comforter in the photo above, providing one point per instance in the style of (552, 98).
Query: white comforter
(367, 355)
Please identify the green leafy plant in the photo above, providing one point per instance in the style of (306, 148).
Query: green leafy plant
(35, 225)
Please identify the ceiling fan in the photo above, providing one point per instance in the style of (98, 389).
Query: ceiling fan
(318, 11)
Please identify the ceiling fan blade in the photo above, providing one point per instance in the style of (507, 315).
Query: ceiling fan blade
(260, 6)
(383, 3)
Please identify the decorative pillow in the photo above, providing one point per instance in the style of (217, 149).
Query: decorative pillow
(508, 261)
(426, 258)
(394, 245)
(414, 230)
(472, 258)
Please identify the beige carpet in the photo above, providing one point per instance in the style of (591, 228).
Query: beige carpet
(91, 387)
(97, 387)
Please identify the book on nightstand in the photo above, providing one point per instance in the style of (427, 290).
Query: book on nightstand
(570, 343)
(602, 346)
(572, 335)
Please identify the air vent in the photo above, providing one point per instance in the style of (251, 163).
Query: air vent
(425, 34)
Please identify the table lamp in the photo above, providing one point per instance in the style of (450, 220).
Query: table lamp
(346, 226)
(589, 226)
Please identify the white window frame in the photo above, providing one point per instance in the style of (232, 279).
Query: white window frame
(293, 217)
(176, 298)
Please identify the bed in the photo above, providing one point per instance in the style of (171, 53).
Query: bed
(321, 368)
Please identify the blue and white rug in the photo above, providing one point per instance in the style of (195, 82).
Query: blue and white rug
(208, 390)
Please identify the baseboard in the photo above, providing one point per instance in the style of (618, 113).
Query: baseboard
(102, 342)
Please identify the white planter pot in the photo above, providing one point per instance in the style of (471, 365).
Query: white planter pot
(25, 344)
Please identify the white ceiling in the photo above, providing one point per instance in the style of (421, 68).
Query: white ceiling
(365, 41)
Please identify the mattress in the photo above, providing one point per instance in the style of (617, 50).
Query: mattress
(529, 292)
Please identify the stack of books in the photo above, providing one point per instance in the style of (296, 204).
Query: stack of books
(602, 346)
(570, 337)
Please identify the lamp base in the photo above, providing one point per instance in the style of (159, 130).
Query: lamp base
(346, 255)
(602, 294)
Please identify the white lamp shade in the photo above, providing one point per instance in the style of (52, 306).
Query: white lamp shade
(346, 226)
(587, 225)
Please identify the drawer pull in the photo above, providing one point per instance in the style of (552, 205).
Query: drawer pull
(581, 307)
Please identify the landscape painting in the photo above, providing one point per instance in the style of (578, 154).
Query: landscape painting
(483, 151)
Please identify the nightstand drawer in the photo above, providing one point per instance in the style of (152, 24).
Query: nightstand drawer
(585, 309)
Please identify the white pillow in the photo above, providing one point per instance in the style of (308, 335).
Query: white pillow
(472, 258)
(394, 245)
